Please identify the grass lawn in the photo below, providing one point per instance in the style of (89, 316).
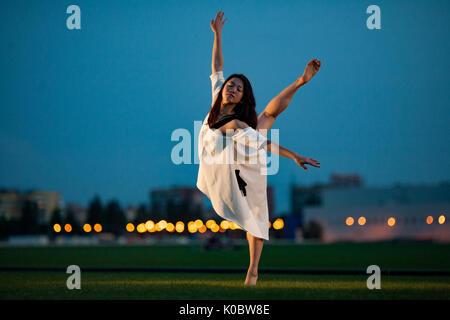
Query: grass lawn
(152, 285)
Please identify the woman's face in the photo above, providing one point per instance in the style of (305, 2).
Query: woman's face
(233, 91)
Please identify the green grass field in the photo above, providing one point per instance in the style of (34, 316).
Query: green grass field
(166, 285)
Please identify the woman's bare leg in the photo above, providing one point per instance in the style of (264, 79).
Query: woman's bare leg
(255, 246)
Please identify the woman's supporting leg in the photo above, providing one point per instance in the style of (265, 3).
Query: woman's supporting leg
(255, 246)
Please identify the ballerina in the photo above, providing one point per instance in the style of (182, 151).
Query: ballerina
(238, 191)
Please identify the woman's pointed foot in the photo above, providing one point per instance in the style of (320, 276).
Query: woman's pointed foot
(251, 279)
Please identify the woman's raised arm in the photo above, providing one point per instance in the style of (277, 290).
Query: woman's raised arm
(217, 57)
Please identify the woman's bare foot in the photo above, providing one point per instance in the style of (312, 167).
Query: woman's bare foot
(251, 279)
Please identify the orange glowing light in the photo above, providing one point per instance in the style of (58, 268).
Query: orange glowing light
(362, 221)
(179, 227)
(141, 228)
(68, 228)
(87, 227)
(170, 227)
(349, 221)
(270, 224)
(202, 229)
(225, 224)
(162, 224)
(198, 223)
(57, 228)
(441, 219)
(278, 224)
(391, 222)
(429, 220)
(130, 227)
(98, 227)
(149, 225)
(215, 228)
(192, 228)
(210, 223)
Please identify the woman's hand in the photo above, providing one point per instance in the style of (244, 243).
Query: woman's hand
(301, 161)
(311, 69)
(217, 23)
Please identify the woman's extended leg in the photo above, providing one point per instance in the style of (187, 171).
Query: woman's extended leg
(255, 246)
(278, 104)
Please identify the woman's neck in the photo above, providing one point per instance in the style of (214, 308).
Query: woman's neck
(227, 108)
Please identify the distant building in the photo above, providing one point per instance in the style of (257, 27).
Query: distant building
(10, 204)
(347, 180)
(352, 213)
(79, 212)
(131, 212)
(177, 203)
(12, 201)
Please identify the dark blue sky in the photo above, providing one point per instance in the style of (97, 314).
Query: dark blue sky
(91, 111)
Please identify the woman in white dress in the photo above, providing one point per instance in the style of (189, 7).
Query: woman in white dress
(238, 192)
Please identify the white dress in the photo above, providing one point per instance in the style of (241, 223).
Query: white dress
(233, 172)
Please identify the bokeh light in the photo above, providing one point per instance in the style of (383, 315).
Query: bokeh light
(278, 224)
(179, 226)
(87, 227)
(429, 220)
(162, 225)
(210, 223)
(98, 227)
(192, 228)
(130, 227)
(391, 222)
(441, 219)
(149, 225)
(141, 228)
(215, 228)
(225, 224)
(198, 223)
(68, 227)
(202, 229)
(349, 221)
(57, 227)
(362, 221)
(171, 228)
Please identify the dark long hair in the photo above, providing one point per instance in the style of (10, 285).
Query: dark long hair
(245, 109)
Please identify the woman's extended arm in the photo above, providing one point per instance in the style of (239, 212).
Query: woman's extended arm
(217, 57)
(282, 151)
